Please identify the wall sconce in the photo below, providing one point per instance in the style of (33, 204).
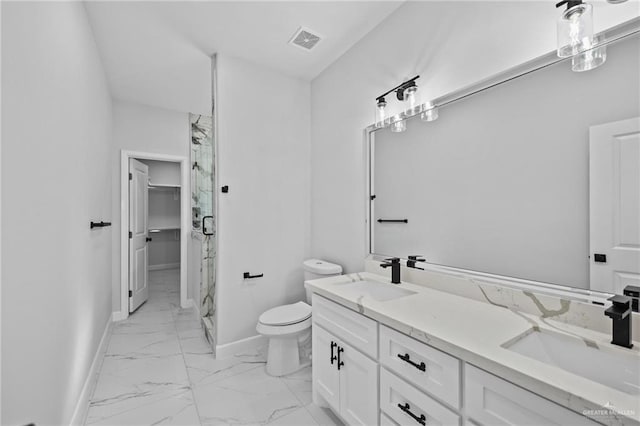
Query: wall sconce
(575, 28)
(575, 36)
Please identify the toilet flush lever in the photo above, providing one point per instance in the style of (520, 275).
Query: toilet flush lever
(248, 275)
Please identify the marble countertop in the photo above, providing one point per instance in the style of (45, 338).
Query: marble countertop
(474, 332)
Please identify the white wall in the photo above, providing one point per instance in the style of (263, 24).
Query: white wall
(56, 273)
(451, 45)
(144, 129)
(263, 222)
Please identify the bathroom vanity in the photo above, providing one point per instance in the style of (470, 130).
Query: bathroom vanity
(409, 354)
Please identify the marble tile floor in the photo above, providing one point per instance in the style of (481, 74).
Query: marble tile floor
(159, 370)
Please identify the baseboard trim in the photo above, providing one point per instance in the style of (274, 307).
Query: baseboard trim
(119, 316)
(190, 303)
(80, 412)
(162, 266)
(240, 346)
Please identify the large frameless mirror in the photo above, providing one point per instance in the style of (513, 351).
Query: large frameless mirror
(536, 177)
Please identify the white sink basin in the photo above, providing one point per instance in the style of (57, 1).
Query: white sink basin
(378, 291)
(605, 365)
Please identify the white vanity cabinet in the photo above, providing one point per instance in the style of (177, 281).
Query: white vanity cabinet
(343, 376)
(371, 374)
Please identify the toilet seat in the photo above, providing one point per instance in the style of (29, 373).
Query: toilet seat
(286, 315)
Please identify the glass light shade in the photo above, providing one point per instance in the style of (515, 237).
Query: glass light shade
(589, 59)
(575, 30)
(430, 113)
(398, 125)
(410, 97)
(380, 107)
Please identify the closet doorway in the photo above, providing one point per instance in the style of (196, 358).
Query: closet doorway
(155, 220)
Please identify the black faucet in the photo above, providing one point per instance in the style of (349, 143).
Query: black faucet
(394, 262)
(411, 263)
(620, 313)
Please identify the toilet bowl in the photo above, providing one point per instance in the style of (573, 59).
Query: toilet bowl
(288, 327)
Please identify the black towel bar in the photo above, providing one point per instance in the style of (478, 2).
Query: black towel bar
(247, 275)
(99, 224)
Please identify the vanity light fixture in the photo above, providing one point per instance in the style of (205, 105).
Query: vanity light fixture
(575, 28)
(429, 112)
(406, 91)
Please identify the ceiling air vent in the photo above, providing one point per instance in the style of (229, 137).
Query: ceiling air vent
(304, 39)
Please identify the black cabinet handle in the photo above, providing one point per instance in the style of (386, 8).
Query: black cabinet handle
(407, 409)
(340, 363)
(422, 366)
(333, 357)
(393, 220)
(149, 239)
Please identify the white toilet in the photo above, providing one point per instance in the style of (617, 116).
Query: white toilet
(288, 327)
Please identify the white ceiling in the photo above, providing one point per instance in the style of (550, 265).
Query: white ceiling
(157, 52)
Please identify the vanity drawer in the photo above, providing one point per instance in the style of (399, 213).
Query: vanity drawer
(395, 392)
(359, 331)
(440, 375)
(493, 401)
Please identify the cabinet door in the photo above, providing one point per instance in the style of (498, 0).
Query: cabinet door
(325, 371)
(358, 387)
(496, 402)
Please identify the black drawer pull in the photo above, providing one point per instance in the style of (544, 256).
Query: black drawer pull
(422, 366)
(407, 409)
(340, 363)
(333, 357)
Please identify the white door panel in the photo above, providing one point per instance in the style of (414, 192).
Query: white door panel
(138, 226)
(614, 189)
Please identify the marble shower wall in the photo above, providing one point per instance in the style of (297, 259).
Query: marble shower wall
(203, 205)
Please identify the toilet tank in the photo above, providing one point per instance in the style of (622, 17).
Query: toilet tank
(316, 268)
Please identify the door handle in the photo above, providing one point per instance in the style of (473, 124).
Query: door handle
(340, 363)
(333, 357)
(204, 227)
(149, 239)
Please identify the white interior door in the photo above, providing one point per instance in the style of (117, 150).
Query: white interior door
(138, 233)
(614, 205)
